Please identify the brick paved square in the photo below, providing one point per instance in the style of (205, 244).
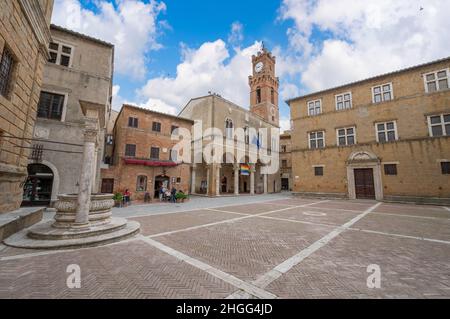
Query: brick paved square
(411, 226)
(128, 270)
(151, 225)
(248, 247)
(409, 269)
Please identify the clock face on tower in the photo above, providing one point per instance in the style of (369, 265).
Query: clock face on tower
(258, 67)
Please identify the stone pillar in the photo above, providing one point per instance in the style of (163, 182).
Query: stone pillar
(265, 183)
(236, 179)
(85, 188)
(252, 180)
(193, 178)
(208, 175)
(218, 180)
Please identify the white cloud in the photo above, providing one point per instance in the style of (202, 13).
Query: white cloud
(285, 124)
(131, 25)
(363, 38)
(237, 33)
(207, 68)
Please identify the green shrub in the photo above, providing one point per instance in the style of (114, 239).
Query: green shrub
(118, 197)
(181, 196)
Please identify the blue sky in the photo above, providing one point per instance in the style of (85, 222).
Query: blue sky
(170, 51)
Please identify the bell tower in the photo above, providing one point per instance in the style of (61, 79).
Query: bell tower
(264, 87)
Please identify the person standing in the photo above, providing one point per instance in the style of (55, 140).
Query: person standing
(127, 197)
(173, 195)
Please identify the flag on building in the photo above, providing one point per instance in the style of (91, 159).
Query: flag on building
(245, 169)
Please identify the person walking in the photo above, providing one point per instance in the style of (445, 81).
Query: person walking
(161, 192)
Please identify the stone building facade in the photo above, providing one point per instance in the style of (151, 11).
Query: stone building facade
(387, 137)
(286, 161)
(142, 158)
(75, 101)
(229, 175)
(24, 38)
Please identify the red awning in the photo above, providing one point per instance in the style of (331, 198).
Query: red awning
(130, 161)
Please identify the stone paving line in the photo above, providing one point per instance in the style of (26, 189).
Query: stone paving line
(206, 208)
(230, 279)
(272, 275)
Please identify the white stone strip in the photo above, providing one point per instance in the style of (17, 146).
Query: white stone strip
(298, 221)
(198, 208)
(60, 251)
(227, 212)
(222, 221)
(411, 216)
(238, 283)
(288, 264)
(447, 208)
(401, 236)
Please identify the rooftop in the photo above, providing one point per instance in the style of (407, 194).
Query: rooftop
(156, 112)
(369, 79)
(80, 35)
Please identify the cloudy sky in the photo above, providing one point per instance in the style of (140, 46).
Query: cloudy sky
(168, 52)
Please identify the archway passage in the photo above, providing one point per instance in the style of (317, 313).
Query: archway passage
(160, 181)
(37, 190)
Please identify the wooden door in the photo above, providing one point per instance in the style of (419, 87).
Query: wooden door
(364, 183)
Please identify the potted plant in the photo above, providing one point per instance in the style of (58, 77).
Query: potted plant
(181, 197)
(118, 199)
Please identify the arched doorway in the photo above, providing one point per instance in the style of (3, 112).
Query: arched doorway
(160, 181)
(37, 190)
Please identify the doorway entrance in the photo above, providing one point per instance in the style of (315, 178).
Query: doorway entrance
(160, 181)
(364, 183)
(224, 184)
(37, 190)
(285, 184)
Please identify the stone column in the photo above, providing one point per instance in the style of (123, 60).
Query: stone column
(265, 183)
(252, 180)
(208, 175)
(193, 178)
(236, 179)
(85, 188)
(218, 180)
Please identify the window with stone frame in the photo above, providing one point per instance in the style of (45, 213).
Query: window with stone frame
(154, 153)
(445, 168)
(178, 180)
(390, 169)
(258, 95)
(6, 71)
(141, 183)
(439, 125)
(318, 170)
(283, 148)
(346, 136)
(437, 81)
(173, 155)
(317, 139)
(60, 54)
(382, 93)
(386, 132)
(133, 122)
(343, 101)
(314, 107)
(156, 127)
(130, 150)
(284, 163)
(51, 106)
(229, 131)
